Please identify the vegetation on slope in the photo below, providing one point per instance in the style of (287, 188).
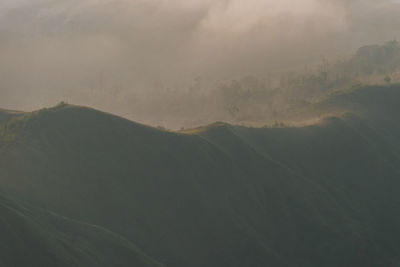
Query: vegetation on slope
(321, 195)
(260, 99)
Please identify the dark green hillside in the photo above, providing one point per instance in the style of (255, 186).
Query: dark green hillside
(377, 101)
(170, 193)
(222, 195)
(31, 237)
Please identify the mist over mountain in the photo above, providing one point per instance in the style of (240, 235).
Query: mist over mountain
(199, 133)
(118, 55)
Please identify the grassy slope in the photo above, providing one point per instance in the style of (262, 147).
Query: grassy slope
(168, 192)
(322, 195)
(32, 237)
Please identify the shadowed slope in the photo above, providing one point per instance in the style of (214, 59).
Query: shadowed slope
(31, 237)
(168, 192)
(322, 195)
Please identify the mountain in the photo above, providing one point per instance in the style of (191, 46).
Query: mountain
(33, 237)
(222, 195)
(255, 100)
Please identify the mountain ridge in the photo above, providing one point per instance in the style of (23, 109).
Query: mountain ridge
(221, 195)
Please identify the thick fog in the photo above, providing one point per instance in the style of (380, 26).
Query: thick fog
(115, 55)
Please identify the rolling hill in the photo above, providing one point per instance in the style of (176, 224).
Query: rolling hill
(222, 195)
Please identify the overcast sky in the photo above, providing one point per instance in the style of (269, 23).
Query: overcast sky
(53, 50)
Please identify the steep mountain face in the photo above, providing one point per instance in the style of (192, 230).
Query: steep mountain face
(222, 195)
(33, 237)
(170, 193)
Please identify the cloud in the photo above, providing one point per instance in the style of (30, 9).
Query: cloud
(244, 16)
(83, 51)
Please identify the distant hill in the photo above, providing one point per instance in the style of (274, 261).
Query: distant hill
(376, 59)
(222, 195)
(254, 101)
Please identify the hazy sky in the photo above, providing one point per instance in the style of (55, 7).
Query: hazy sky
(84, 51)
